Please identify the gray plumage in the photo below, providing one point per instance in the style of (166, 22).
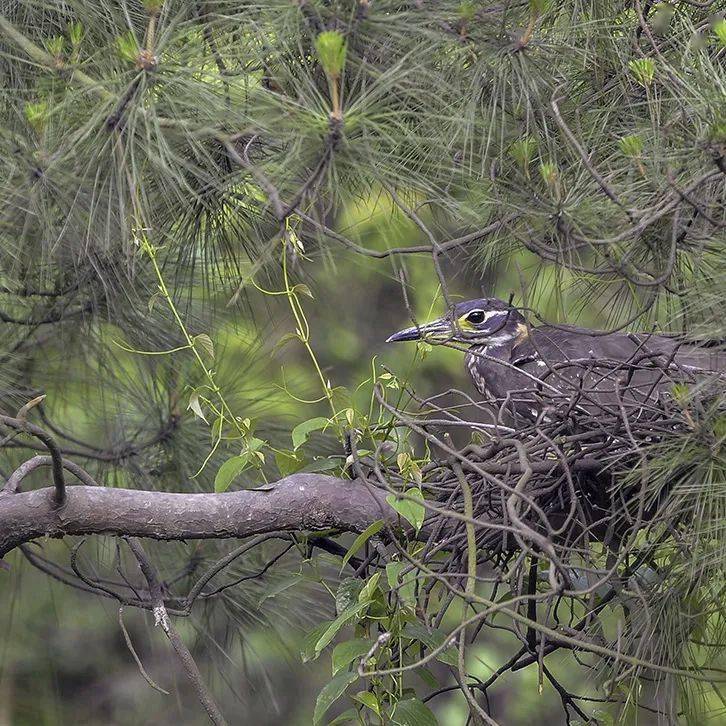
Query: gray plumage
(533, 367)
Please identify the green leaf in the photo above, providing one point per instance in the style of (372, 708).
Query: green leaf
(548, 172)
(331, 693)
(288, 462)
(196, 407)
(523, 150)
(54, 45)
(432, 640)
(330, 46)
(229, 471)
(346, 616)
(631, 146)
(324, 464)
(303, 289)
(719, 28)
(410, 511)
(369, 589)
(349, 650)
(406, 587)
(75, 33)
(307, 648)
(255, 444)
(424, 349)
(643, 70)
(205, 343)
(349, 714)
(347, 593)
(361, 539)
(301, 432)
(152, 300)
(427, 677)
(369, 700)
(413, 712)
(537, 7)
(36, 114)
(127, 47)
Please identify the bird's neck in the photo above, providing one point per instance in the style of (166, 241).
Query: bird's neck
(497, 347)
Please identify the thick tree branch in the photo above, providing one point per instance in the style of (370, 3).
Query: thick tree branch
(297, 502)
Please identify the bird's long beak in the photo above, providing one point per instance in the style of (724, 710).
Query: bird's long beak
(437, 331)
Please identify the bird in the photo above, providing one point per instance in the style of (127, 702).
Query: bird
(536, 368)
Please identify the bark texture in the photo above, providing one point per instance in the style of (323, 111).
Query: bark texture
(297, 502)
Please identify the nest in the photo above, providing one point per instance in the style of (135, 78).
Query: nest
(554, 475)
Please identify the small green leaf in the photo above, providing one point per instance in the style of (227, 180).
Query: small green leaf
(295, 241)
(347, 593)
(631, 146)
(548, 172)
(432, 640)
(369, 589)
(196, 407)
(369, 700)
(348, 715)
(406, 587)
(285, 339)
(55, 45)
(324, 464)
(75, 34)
(643, 70)
(307, 648)
(346, 616)
(301, 432)
(205, 343)
(427, 677)
(523, 150)
(346, 652)
(413, 712)
(537, 7)
(681, 393)
(288, 463)
(255, 444)
(36, 115)
(410, 511)
(331, 693)
(719, 28)
(152, 300)
(424, 349)
(361, 539)
(153, 7)
(303, 289)
(128, 48)
(467, 11)
(330, 46)
(229, 471)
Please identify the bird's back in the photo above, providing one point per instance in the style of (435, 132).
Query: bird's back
(598, 371)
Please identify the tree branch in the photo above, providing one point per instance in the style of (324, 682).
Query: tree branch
(297, 502)
(183, 653)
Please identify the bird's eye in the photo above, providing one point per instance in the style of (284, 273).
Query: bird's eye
(476, 317)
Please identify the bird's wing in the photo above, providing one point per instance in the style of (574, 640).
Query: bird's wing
(690, 355)
(607, 370)
(561, 344)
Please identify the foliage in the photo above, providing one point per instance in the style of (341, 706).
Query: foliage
(207, 204)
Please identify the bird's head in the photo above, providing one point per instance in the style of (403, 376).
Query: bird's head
(485, 321)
